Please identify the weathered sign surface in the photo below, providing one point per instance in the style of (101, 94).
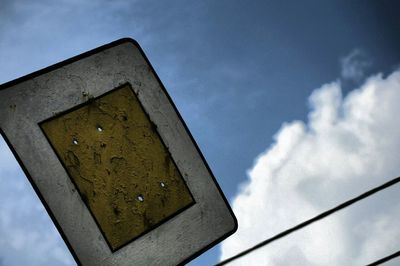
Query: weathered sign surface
(112, 160)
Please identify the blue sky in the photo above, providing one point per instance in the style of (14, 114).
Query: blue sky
(237, 72)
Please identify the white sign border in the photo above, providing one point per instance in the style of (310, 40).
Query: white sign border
(27, 101)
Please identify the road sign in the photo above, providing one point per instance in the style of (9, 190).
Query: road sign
(112, 161)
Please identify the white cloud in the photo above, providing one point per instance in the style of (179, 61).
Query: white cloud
(354, 65)
(348, 146)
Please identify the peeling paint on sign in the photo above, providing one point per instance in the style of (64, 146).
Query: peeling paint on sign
(119, 164)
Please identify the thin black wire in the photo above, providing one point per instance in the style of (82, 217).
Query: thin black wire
(314, 219)
(385, 259)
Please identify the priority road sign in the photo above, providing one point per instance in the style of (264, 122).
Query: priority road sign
(112, 161)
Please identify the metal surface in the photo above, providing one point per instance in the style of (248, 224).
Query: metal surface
(123, 171)
(30, 100)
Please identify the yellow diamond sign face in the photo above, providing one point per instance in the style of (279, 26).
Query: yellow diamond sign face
(112, 160)
(119, 164)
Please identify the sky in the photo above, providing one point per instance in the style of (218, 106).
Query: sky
(293, 106)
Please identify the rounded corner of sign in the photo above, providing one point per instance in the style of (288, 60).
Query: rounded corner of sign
(231, 224)
(235, 224)
(130, 41)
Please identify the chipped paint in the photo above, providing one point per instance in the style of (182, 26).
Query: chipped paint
(119, 164)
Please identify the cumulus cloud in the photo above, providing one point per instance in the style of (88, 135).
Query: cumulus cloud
(349, 145)
(354, 65)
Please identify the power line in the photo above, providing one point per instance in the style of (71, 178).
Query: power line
(312, 220)
(385, 259)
